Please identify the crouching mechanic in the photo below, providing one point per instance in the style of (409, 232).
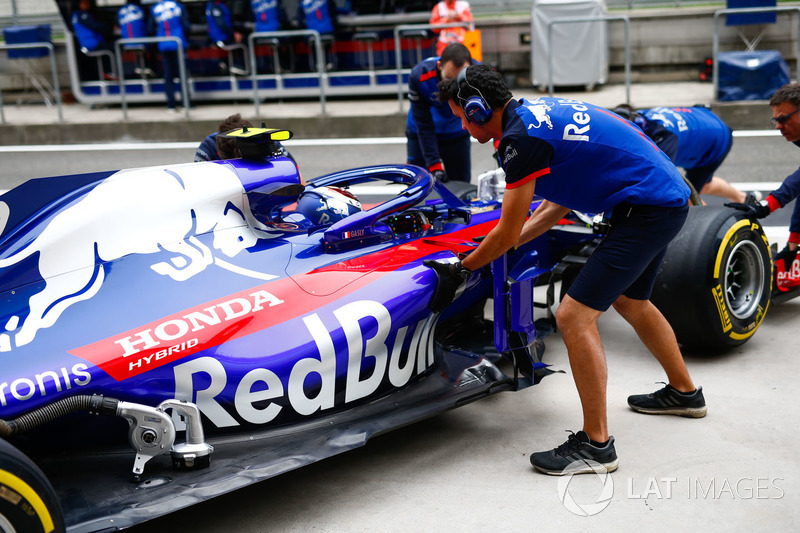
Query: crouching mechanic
(786, 119)
(435, 139)
(579, 156)
(696, 140)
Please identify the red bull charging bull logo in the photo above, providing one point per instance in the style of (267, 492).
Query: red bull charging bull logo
(141, 211)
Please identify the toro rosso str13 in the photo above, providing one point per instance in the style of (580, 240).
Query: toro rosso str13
(239, 338)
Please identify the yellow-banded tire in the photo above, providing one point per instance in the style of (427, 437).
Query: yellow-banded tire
(715, 282)
(28, 502)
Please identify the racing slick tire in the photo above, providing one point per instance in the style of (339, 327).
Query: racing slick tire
(715, 281)
(28, 502)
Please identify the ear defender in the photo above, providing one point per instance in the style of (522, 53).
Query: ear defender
(476, 110)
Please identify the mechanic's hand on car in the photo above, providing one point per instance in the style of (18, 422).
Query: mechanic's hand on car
(451, 276)
(759, 210)
(440, 175)
(787, 255)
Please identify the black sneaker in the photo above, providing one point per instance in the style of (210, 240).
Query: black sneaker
(670, 401)
(576, 454)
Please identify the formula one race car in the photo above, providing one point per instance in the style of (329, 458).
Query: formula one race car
(240, 334)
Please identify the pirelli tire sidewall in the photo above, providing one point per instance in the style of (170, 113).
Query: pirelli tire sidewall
(715, 282)
(28, 502)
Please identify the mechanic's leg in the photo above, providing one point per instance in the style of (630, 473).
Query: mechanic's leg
(170, 71)
(720, 187)
(577, 324)
(657, 335)
(413, 151)
(456, 156)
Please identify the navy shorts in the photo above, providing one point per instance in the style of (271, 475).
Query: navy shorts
(626, 261)
(700, 176)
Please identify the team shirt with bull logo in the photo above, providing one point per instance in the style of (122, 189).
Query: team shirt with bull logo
(266, 14)
(131, 21)
(170, 20)
(585, 157)
(703, 138)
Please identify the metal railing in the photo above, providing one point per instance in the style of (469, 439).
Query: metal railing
(144, 40)
(398, 51)
(318, 52)
(51, 53)
(569, 20)
(715, 48)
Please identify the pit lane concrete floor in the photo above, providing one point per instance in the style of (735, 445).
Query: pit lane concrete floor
(468, 469)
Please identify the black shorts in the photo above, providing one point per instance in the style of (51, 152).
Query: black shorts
(626, 261)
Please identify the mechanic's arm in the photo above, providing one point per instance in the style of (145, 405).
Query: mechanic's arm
(506, 234)
(543, 218)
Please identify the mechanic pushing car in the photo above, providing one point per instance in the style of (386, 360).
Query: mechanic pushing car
(579, 156)
(435, 139)
(696, 140)
(785, 106)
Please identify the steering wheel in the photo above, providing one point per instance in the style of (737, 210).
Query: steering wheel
(358, 229)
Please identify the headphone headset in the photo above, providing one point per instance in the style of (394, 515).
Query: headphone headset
(476, 110)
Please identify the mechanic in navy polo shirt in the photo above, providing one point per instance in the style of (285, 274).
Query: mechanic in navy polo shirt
(579, 156)
(786, 119)
(168, 18)
(132, 22)
(435, 138)
(317, 15)
(92, 34)
(696, 140)
(221, 29)
(268, 15)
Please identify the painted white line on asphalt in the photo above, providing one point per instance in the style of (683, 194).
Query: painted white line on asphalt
(756, 185)
(756, 133)
(98, 147)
